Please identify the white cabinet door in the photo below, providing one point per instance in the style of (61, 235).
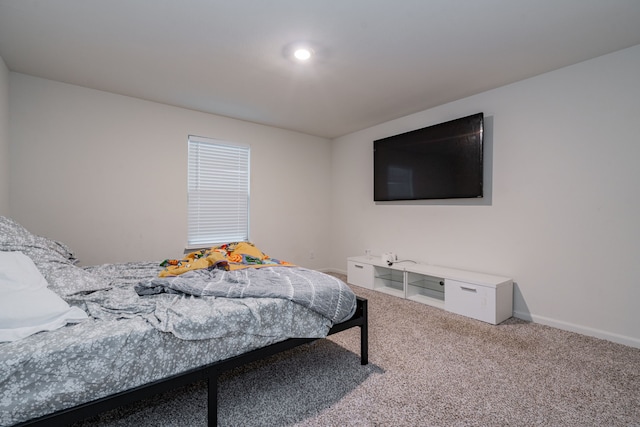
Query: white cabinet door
(360, 274)
(471, 300)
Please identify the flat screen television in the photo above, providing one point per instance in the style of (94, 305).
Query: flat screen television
(442, 161)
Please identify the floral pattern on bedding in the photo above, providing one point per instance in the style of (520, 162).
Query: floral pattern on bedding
(54, 370)
(123, 345)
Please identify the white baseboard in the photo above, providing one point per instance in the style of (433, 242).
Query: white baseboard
(571, 327)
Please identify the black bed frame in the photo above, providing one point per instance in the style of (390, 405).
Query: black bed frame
(210, 373)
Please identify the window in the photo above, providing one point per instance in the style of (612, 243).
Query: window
(218, 192)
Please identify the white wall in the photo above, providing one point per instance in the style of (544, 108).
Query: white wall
(563, 214)
(4, 139)
(106, 174)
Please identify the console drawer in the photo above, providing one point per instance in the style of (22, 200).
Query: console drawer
(360, 274)
(471, 300)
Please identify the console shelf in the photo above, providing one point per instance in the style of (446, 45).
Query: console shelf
(388, 280)
(481, 296)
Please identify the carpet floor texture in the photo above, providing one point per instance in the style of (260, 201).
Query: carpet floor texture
(427, 367)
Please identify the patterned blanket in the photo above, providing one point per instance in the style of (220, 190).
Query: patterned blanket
(229, 256)
(322, 293)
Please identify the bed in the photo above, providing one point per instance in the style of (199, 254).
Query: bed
(117, 333)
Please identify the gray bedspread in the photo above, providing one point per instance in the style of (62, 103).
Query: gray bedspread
(54, 370)
(130, 340)
(324, 294)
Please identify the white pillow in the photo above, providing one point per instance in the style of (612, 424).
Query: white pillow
(27, 306)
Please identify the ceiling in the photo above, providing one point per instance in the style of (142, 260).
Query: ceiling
(377, 60)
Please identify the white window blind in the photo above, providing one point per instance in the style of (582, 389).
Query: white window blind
(218, 192)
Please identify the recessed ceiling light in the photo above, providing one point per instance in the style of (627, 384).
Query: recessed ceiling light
(299, 52)
(303, 54)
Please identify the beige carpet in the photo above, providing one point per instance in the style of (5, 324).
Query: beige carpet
(427, 368)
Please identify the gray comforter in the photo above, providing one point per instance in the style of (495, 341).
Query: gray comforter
(324, 294)
(130, 339)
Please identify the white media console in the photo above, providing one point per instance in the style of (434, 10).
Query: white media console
(477, 295)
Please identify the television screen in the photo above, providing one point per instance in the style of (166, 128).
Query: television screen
(443, 161)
